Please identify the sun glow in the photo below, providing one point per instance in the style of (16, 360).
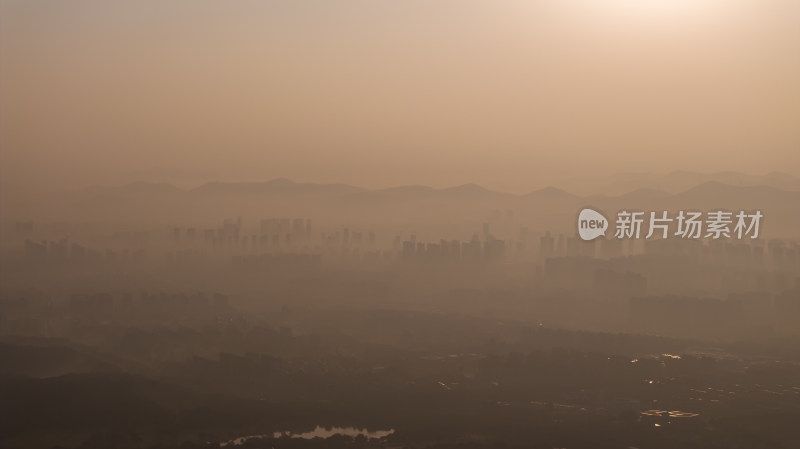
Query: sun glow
(658, 7)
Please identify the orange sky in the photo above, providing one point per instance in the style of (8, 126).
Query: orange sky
(512, 95)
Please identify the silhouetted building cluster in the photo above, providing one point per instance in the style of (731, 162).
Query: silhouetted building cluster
(62, 252)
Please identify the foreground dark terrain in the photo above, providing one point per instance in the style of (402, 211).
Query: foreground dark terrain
(539, 349)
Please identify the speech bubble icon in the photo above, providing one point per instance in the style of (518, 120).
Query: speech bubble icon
(591, 224)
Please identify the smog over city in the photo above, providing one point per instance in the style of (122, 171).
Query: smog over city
(403, 224)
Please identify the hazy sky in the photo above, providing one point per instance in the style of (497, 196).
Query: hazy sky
(512, 95)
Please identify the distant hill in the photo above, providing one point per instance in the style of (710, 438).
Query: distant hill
(676, 182)
(545, 208)
(280, 186)
(551, 194)
(135, 188)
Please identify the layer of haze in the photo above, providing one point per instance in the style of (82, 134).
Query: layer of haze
(511, 95)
